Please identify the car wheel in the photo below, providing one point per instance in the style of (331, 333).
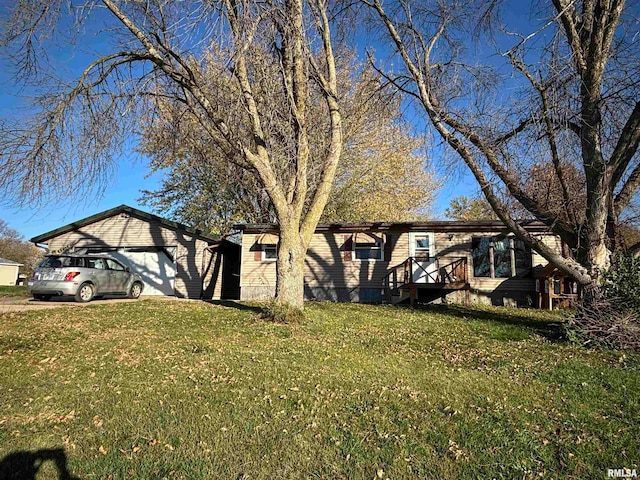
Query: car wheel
(85, 293)
(135, 290)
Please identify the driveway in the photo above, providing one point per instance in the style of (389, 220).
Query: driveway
(21, 304)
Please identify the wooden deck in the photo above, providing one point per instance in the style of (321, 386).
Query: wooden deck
(404, 282)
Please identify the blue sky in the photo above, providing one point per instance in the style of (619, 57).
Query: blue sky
(124, 188)
(130, 176)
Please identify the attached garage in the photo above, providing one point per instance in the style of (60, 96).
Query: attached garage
(171, 258)
(156, 265)
(158, 268)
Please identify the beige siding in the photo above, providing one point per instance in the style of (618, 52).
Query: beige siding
(124, 230)
(551, 241)
(449, 245)
(212, 274)
(190, 264)
(400, 250)
(255, 275)
(8, 274)
(120, 230)
(208, 274)
(496, 290)
(325, 266)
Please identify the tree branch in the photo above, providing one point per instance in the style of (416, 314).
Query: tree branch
(627, 191)
(334, 150)
(627, 145)
(550, 133)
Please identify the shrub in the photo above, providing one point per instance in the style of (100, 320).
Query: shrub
(281, 313)
(610, 316)
(605, 322)
(622, 281)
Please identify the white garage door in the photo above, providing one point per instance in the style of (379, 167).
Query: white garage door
(157, 270)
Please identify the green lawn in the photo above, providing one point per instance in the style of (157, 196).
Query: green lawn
(160, 389)
(13, 291)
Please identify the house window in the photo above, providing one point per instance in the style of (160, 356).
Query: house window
(368, 249)
(500, 257)
(421, 246)
(269, 252)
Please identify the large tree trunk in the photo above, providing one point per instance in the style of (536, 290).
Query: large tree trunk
(598, 256)
(290, 267)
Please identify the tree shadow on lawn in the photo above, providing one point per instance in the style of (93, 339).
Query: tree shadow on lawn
(550, 329)
(236, 305)
(24, 465)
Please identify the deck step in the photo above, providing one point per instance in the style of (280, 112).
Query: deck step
(401, 296)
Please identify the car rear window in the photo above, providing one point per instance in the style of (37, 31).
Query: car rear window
(60, 261)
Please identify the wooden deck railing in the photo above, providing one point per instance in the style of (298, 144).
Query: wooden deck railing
(446, 271)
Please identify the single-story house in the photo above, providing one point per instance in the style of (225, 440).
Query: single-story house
(171, 258)
(401, 262)
(9, 271)
(363, 262)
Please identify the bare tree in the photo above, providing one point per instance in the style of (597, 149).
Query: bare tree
(384, 160)
(265, 56)
(14, 247)
(566, 94)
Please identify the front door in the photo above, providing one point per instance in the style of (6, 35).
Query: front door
(421, 248)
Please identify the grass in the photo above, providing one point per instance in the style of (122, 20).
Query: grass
(13, 291)
(157, 389)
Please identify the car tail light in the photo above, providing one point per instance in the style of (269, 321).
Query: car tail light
(70, 276)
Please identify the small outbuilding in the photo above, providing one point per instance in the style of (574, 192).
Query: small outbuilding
(171, 258)
(9, 272)
(555, 289)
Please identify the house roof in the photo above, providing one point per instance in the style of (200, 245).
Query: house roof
(123, 209)
(551, 270)
(4, 261)
(436, 226)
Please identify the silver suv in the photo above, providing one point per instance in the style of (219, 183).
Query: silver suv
(83, 277)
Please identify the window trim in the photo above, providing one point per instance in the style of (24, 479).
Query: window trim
(380, 247)
(417, 250)
(430, 234)
(269, 246)
(491, 253)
